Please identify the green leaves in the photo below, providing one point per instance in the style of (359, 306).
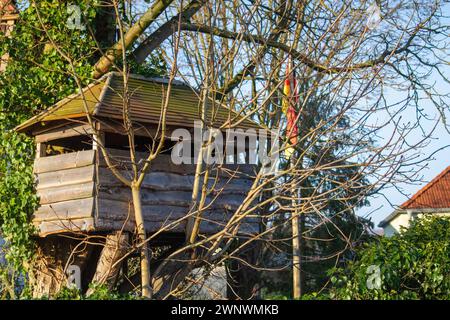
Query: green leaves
(17, 196)
(414, 265)
(37, 76)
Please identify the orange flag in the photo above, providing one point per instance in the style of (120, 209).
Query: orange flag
(288, 106)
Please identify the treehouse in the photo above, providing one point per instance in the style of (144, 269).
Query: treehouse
(78, 191)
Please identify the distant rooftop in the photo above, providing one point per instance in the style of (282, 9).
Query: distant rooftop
(434, 195)
(7, 7)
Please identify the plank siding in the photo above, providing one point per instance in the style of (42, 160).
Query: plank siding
(68, 192)
(171, 198)
(64, 161)
(117, 215)
(78, 193)
(72, 209)
(167, 181)
(163, 163)
(65, 177)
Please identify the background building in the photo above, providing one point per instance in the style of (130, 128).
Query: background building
(434, 198)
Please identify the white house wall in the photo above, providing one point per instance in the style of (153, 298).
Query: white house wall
(404, 220)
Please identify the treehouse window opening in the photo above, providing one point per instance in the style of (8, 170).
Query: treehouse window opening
(68, 145)
(141, 143)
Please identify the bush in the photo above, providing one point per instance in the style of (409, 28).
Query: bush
(415, 264)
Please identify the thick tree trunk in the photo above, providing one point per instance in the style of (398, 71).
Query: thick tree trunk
(165, 31)
(105, 28)
(107, 60)
(55, 253)
(110, 261)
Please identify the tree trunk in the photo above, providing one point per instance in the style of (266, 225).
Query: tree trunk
(296, 257)
(109, 264)
(142, 234)
(107, 60)
(55, 253)
(105, 28)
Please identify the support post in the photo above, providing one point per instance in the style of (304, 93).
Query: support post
(296, 244)
(110, 261)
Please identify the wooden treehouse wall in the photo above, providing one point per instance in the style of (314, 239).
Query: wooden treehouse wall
(78, 192)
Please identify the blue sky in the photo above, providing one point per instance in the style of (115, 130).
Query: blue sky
(379, 206)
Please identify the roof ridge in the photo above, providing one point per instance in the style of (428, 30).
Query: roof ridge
(421, 191)
(164, 80)
(183, 111)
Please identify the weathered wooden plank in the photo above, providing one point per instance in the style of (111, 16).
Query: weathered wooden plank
(167, 181)
(119, 210)
(64, 132)
(49, 127)
(121, 159)
(116, 126)
(72, 209)
(64, 226)
(65, 177)
(67, 192)
(104, 224)
(64, 161)
(120, 215)
(164, 163)
(170, 198)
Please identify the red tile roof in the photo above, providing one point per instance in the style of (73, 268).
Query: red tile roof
(435, 194)
(7, 6)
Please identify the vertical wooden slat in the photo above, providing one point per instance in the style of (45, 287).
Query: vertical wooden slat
(40, 150)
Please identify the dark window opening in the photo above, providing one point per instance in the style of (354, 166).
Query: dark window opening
(68, 145)
(142, 144)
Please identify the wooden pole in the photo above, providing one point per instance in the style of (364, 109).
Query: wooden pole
(296, 244)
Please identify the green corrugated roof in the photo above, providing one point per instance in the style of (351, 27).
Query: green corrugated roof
(147, 96)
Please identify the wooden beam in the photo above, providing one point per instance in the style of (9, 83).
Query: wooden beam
(65, 210)
(41, 149)
(64, 161)
(65, 177)
(65, 226)
(64, 132)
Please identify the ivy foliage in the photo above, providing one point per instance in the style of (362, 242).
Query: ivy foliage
(44, 52)
(414, 264)
(36, 76)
